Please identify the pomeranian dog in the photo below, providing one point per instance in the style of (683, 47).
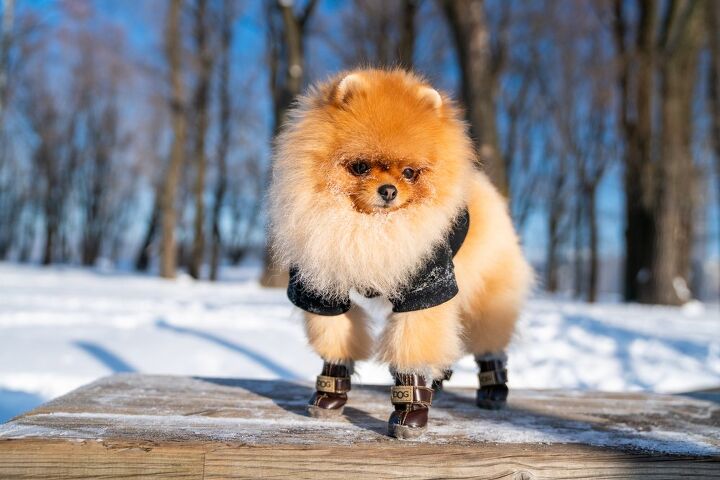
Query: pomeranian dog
(375, 190)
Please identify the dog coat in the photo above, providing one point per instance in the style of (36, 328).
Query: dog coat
(434, 282)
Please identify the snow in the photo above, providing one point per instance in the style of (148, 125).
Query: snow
(63, 327)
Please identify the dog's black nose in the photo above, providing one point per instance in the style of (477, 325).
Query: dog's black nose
(387, 192)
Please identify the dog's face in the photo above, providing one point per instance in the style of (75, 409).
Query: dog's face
(391, 143)
(377, 183)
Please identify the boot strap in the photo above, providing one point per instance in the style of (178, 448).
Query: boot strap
(411, 394)
(328, 384)
(493, 377)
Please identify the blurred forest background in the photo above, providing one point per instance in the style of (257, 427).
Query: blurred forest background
(138, 134)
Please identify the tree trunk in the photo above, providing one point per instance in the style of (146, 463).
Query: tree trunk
(551, 262)
(224, 143)
(406, 48)
(142, 260)
(6, 31)
(52, 225)
(201, 115)
(168, 249)
(676, 189)
(556, 213)
(594, 267)
(635, 78)
(27, 241)
(90, 251)
(50, 235)
(578, 259)
(293, 31)
(478, 69)
(713, 29)
(284, 92)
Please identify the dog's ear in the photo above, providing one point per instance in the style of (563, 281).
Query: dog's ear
(347, 87)
(431, 96)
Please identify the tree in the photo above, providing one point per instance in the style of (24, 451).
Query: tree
(713, 29)
(675, 192)
(480, 63)
(557, 218)
(173, 52)
(99, 142)
(201, 115)
(6, 40)
(224, 117)
(10, 197)
(54, 160)
(582, 111)
(286, 61)
(636, 83)
(406, 49)
(375, 33)
(660, 173)
(157, 125)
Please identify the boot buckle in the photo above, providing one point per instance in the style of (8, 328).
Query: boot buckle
(493, 377)
(327, 384)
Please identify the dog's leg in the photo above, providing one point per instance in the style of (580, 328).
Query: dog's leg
(438, 383)
(419, 346)
(340, 340)
(493, 377)
(488, 331)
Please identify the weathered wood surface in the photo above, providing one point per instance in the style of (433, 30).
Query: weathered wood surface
(138, 426)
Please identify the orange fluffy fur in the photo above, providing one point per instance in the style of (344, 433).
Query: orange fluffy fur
(330, 223)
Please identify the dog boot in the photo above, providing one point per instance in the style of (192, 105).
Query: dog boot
(412, 399)
(437, 384)
(331, 389)
(493, 391)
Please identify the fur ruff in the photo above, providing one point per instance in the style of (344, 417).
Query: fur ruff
(341, 249)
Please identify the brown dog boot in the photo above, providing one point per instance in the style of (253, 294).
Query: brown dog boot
(412, 399)
(331, 388)
(493, 391)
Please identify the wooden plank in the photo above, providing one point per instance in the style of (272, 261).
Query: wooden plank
(58, 459)
(35, 459)
(138, 426)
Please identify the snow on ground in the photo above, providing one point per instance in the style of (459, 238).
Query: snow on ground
(63, 327)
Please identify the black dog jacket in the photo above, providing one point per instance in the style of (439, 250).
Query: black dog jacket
(433, 284)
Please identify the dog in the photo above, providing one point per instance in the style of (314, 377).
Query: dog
(375, 189)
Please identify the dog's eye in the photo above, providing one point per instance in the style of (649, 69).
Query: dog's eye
(409, 173)
(360, 168)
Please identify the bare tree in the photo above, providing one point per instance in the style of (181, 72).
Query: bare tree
(286, 61)
(173, 51)
(525, 105)
(200, 106)
(286, 54)
(9, 211)
(681, 37)
(713, 29)
(375, 33)
(53, 163)
(6, 39)
(480, 66)
(406, 47)
(557, 216)
(660, 172)
(582, 112)
(636, 60)
(143, 256)
(224, 118)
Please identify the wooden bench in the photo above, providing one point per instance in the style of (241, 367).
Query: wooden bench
(142, 426)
